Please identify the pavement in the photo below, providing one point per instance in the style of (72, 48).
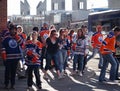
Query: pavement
(88, 82)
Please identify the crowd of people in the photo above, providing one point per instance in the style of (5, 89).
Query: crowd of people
(56, 47)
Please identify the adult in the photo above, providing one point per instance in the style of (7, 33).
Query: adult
(107, 49)
(11, 55)
(96, 39)
(52, 46)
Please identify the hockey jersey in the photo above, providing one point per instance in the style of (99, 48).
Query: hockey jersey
(108, 45)
(33, 52)
(11, 47)
(96, 40)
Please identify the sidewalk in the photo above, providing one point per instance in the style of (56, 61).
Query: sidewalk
(53, 83)
(88, 82)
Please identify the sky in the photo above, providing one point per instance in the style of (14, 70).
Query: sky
(14, 5)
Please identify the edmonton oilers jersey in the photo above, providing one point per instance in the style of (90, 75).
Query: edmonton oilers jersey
(11, 47)
(35, 49)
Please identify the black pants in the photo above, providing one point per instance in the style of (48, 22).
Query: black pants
(30, 70)
(10, 71)
(43, 56)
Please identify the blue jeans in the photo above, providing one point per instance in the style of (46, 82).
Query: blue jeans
(78, 59)
(62, 59)
(117, 74)
(95, 51)
(53, 57)
(108, 58)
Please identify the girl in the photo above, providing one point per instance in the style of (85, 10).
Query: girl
(80, 50)
(33, 53)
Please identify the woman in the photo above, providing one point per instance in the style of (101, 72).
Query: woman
(64, 46)
(80, 51)
(52, 45)
(33, 53)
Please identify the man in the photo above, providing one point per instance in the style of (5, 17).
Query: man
(96, 39)
(11, 54)
(107, 49)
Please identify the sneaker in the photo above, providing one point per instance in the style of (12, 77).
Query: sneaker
(80, 74)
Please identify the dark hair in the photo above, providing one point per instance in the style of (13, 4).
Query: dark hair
(71, 31)
(12, 27)
(61, 31)
(83, 26)
(52, 32)
(35, 29)
(82, 35)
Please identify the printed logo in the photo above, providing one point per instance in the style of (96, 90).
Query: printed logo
(13, 43)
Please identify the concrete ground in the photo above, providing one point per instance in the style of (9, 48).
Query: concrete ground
(88, 82)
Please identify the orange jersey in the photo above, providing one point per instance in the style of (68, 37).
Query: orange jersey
(108, 45)
(96, 40)
(45, 34)
(24, 35)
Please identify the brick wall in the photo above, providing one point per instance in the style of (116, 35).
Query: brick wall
(3, 14)
(3, 19)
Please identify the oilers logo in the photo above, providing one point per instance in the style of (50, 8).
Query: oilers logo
(12, 43)
(79, 42)
(45, 36)
(100, 39)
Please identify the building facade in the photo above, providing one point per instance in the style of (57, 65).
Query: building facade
(41, 8)
(24, 8)
(58, 4)
(79, 4)
(114, 4)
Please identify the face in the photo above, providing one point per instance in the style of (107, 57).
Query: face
(13, 32)
(34, 35)
(99, 28)
(55, 34)
(19, 30)
(118, 43)
(79, 32)
(85, 31)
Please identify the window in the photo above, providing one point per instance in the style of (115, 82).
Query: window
(55, 6)
(81, 5)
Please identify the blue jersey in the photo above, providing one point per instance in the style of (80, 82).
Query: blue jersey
(11, 48)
